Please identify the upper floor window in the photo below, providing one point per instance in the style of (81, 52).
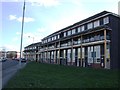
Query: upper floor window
(49, 39)
(105, 20)
(79, 29)
(69, 33)
(55, 37)
(69, 43)
(97, 23)
(45, 41)
(79, 40)
(58, 36)
(64, 34)
(52, 38)
(89, 25)
(82, 28)
(73, 31)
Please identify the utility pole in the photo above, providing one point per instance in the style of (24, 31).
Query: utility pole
(22, 34)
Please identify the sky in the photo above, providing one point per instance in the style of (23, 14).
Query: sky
(43, 17)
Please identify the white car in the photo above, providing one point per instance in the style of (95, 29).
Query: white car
(2, 59)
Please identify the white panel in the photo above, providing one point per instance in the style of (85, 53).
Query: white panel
(73, 55)
(68, 55)
(96, 23)
(57, 54)
(83, 52)
(64, 55)
(90, 58)
(79, 53)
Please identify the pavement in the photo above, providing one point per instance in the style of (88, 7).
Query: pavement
(8, 72)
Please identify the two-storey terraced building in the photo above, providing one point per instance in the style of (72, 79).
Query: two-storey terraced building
(92, 42)
(30, 51)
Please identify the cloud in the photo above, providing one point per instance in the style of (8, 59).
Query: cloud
(19, 19)
(15, 39)
(26, 19)
(45, 3)
(11, 47)
(41, 30)
(12, 17)
(17, 33)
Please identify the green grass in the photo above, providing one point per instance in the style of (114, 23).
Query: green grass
(39, 75)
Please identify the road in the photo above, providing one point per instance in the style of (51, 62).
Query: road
(9, 68)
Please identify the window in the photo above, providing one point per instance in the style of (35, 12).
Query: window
(69, 33)
(97, 37)
(55, 37)
(89, 25)
(105, 20)
(82, 28)
(97, 52)
(92, 39)
(63, 44)
(102, 37)
(52, 38)
(64, 34)
(75, 42)
(64, 55)
(79, 29)
(97, 23)
(49, 39)
(69, 43)
(73, 55)
(58, 36)
(68, 55)
(73, 31)
(79, 41)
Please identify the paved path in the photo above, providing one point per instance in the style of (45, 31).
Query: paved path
(9, 71)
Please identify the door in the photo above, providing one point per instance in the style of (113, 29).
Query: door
(79, 56)
(108, 57)
(68, 56)
(90, 58)
(73, 57)
(83, 57)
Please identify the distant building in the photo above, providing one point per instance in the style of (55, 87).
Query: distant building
(18, 54)
(2, 52)
(31, 51)
(92, 42)
(11, 54)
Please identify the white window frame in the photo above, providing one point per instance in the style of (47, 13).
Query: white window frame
(96, 23)
(65, 34)
(79, 29)
(58, 36)
(82, 28)
(55, 37)
(106, 20)
(69, 32)
(90, 25)
(73, 31)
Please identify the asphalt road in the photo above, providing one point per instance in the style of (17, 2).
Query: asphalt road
(9, 68)
(9, 63)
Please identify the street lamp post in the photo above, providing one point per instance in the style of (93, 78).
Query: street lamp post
(22, 34)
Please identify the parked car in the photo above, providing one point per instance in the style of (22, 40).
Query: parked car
(2, 59)
(23, 60)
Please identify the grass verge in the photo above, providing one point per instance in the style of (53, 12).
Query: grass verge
(40, 75)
